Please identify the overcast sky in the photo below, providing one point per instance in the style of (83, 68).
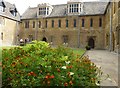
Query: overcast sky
(22, 5)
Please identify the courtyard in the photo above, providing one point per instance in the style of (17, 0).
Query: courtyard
(108, 61)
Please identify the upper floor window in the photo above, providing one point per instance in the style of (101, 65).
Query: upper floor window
(83, 22)
(100, 22)
(46, 23)
(39, 24)
(73, 8)
(75, 23)
(66, 23)
(52, 23)
(26, 24)
(2, 9)
(91, 22)
(44, 11)
(13, 11)
(59, 23)
(33, 24)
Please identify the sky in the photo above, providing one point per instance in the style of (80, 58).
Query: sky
(22, 5)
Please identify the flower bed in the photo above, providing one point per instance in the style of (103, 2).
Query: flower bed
(40, 65)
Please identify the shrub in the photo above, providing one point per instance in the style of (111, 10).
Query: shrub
(88, 47)
(40, 65)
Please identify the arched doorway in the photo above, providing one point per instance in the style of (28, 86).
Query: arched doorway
(91, 42)
(44, 39)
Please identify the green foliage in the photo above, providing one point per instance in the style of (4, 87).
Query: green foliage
(40, 65)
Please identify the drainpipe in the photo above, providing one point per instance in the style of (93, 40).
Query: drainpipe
(36, 31)
(110, 47)
(78, 32)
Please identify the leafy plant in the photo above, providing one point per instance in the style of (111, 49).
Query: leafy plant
(40, 65)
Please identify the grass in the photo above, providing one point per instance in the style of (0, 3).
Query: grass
(79, 51)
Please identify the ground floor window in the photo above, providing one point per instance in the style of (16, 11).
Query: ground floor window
(31, 38)
(65, 38)
(1, 36)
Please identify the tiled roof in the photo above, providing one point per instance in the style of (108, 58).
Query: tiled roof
(7, 12)
(90, 8)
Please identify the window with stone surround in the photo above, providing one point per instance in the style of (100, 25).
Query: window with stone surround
(1, 9)
(26, 24)
(67, 23)
(52, 23)
(91, 22)
(100, 22)
(39, 24)
(44, 11)
(75, 23)
(59, 23)
(46, 23)
(33, 24)
(83, 22)
(65, 39)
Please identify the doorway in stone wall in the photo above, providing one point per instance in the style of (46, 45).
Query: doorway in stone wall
(44, 39)
(91, 42)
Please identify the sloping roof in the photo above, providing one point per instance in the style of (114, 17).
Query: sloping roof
(90, 8)
(7, 12)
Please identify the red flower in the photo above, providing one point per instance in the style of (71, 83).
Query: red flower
(70, 66)
(31, 74)
(52, 76)
(65, 84)
(58, 70)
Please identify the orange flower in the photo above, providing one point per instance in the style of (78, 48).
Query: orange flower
(65, 84)
(29, 74)
(48, 82)
(13, 64)
(47, 77)
(71, 83)
(40, 71)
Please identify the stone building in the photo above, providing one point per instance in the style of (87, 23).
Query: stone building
(75, 24)
(9, 23)
(112, 26)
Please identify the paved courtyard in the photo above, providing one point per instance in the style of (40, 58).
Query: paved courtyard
(108, 61)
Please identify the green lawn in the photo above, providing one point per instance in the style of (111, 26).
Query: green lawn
(79, 51)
